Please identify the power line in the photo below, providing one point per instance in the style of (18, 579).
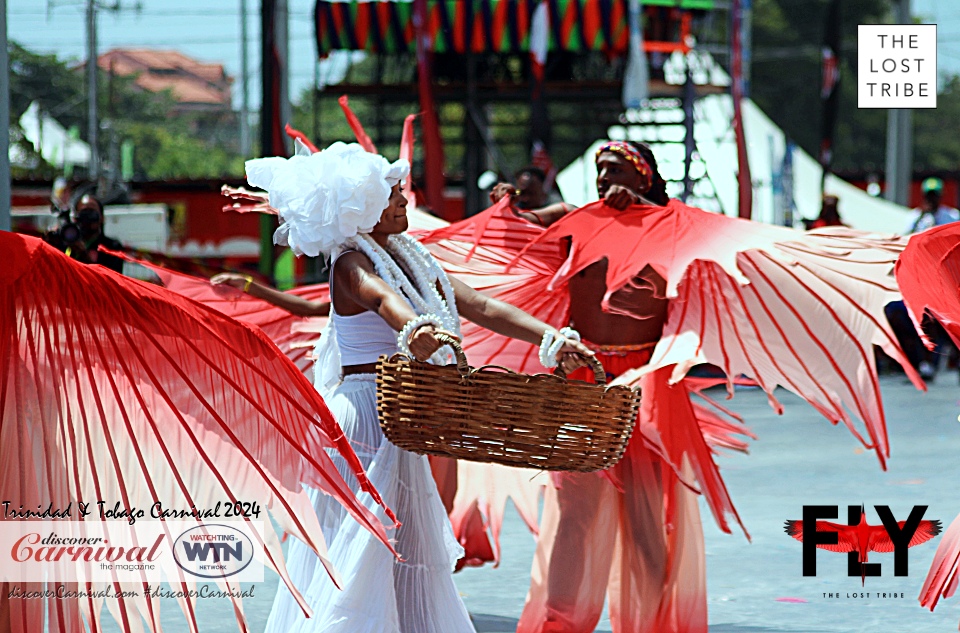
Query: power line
(188, 13)
(171, 42)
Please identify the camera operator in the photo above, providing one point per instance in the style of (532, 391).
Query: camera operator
(81, 239)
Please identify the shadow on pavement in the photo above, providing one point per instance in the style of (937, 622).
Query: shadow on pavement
(493, 623)
(743, 628)
(498, 624)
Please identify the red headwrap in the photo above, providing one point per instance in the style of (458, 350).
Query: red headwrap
(630, 153)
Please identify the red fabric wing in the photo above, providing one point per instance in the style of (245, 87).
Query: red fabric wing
(294, 335)
(406, 152)
(119, 390)
(477, 252)
(785, 308)
(942, 577)
(300, 136)
(928, 272)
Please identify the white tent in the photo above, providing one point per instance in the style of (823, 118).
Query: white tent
(715, 166)
(51, 140)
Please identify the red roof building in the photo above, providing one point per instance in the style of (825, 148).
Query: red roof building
(197, 86)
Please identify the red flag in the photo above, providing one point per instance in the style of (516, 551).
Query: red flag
(296, 134)
(540, 132)
(829, 88)
(406, 152)
(356, 126)
(539, 41)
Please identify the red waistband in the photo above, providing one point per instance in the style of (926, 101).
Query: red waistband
(616, 359)
(619, 349)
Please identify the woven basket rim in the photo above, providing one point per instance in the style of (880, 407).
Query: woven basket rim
(489, 370)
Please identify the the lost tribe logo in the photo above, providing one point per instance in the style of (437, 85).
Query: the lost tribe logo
(858, 539)
(213, 551)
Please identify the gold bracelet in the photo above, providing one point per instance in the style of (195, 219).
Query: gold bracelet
(249, 280)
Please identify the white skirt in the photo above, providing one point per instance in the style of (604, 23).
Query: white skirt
(380, 594)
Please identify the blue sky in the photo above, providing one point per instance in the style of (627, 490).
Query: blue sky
(209, 30)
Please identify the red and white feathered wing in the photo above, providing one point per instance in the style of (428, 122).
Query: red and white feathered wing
(116, 390)
(294, 335)
(797, 310)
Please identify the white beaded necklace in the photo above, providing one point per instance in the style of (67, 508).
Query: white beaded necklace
(424, 269)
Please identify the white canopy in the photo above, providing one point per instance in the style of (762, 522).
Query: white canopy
(51, 140)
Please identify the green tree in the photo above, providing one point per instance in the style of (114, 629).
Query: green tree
(48, 80)
(166, 146)
(786, 78)
(935, 150)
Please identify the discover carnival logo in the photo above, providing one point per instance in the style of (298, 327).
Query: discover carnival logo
(213, 551)
(116, 551)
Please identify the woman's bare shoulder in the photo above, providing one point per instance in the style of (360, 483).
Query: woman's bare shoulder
(351, 262)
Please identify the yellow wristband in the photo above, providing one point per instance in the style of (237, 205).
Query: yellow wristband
(249, 280)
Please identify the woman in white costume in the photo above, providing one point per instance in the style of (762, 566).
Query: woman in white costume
(388, 294)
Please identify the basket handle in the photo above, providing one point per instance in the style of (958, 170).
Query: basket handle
(599, 373)
(462, 366)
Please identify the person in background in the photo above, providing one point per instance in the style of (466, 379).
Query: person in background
(931, 212)
(532, 185)
(529, 199)
(829, 214)
(83, 243)
(632, 536)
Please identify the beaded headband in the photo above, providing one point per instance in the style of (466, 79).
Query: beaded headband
(630, 153)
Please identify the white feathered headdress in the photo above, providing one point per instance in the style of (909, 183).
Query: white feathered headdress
(325, 198)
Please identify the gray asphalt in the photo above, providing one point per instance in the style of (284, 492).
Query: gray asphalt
(758, 586)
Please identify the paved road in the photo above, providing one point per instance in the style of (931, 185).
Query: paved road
(757, 586)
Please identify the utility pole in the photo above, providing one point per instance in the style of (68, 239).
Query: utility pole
(244, 84)
(274, 106)
(92, 123)
(689, 140)
(92, 6)
(5, 117)
(899, 137)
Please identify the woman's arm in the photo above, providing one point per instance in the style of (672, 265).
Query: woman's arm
(503, 318)
(548, 214)
(544, 216)
(291, 303)
(497, 316)
(358, 288)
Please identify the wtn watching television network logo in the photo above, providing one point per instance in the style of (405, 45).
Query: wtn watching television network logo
(858, 538)
(213, 551)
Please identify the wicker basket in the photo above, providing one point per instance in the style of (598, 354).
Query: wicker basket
(492, 414)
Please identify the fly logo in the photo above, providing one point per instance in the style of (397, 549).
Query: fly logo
(213, 551)
(858, 538)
